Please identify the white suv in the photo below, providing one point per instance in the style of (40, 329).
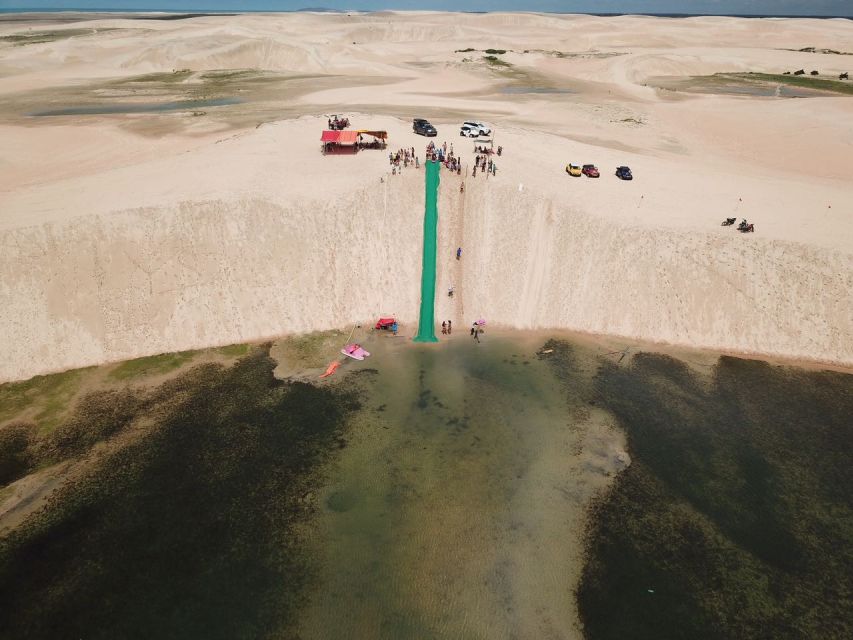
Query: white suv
(477, 128)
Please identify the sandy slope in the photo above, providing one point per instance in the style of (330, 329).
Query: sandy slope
(126, 235)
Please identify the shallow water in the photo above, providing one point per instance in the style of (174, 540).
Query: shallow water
(778, 91)
(456, 509)
(514, 89)
(146, 107)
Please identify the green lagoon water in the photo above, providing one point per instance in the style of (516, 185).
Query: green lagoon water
(457, 509)
(458, 490)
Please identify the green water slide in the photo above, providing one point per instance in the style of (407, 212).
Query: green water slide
(426, 325)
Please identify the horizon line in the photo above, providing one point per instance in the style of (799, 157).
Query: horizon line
(229, 12)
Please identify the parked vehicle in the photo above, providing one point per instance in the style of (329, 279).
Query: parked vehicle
(624, 173)
(573, 170)
(481, 128)
(728, 222)
(750, 228)
(590, 171)
(424, 128)
(468, 132)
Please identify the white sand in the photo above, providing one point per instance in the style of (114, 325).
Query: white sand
(128, 235)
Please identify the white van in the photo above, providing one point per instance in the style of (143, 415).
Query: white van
(480, 128)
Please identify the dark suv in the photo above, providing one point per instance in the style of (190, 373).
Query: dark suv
(624, 173)
(423, 127)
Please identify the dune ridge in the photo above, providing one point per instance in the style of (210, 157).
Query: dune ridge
(197, 274)
(125, 235)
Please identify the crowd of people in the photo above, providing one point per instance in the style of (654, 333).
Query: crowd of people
(488, 150)
(376, 143)
(403, 158)
(485, 164)
(446, 157)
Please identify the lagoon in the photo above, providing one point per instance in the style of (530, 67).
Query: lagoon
(443, 491)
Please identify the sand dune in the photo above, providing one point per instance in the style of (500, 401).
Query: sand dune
(130, 234)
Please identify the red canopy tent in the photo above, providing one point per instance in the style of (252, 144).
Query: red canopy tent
(336, 140)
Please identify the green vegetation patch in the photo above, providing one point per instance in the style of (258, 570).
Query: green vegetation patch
(100, 415)
(805, 81)
(192, 529)
(496, 62)
(40, 37)
(824, 51)
(234, 350)
(29, 445)
(735, 518)
(491, 52)
(230, 74)
(43, 397)
(168, 77)
(151, 365)
(581, 54)
(310, 350)
(49, 419)
(16, 456)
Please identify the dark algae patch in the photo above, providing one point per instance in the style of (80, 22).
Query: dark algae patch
(189, 529)
(735, 518)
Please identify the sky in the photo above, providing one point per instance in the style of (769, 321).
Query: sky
(726, 7)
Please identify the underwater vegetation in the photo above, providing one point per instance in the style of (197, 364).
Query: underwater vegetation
(735, 518)
(186, 530)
